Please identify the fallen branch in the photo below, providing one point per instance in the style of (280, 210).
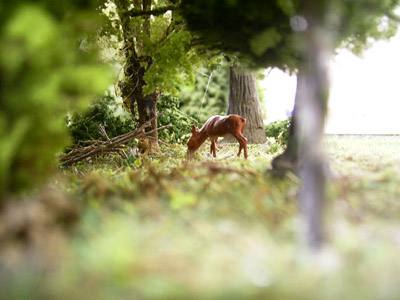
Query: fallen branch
(101, 147)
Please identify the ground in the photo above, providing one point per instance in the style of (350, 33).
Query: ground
(163, 228)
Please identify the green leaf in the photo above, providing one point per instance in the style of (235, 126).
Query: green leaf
(265, 40)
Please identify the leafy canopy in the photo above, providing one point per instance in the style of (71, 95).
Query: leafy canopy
(160, 42)
(268, 33)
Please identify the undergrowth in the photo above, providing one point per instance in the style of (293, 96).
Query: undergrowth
(160, 227)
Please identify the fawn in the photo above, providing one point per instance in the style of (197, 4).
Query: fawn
(218, 126)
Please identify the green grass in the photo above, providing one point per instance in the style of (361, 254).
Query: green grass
(162, 228)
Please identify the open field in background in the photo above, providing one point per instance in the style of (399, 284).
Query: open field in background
(367, 170)
(160, 228)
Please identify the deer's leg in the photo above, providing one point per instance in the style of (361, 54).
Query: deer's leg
(242, 143)
(213, 147)
(245, 143)
(240, 150)
(245, 146)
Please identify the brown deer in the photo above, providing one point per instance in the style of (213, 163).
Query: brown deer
(218, 126)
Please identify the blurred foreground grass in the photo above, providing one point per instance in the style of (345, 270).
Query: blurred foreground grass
(161, 228)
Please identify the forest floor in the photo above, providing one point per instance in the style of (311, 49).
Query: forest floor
(162, 228)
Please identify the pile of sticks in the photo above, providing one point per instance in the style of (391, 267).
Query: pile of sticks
(102, 147)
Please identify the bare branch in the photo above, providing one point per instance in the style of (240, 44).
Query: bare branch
(153, 12)
(101, 147)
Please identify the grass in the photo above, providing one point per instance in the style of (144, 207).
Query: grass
(160, 228)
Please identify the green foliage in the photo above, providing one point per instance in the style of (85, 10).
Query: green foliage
(169, 45)
(110, 112)
(257, 30)
(106, 111)
(279, 130)
(214, 229)
(209, 93)
(174, 62)
(78, 7)
(44, 74)
(364, 22)
(265, 34)
(172, 114)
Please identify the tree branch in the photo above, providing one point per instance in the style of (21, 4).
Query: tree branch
(154, 12)
(393, 16)
(101, 147)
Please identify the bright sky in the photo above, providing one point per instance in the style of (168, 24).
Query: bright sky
(365, 91)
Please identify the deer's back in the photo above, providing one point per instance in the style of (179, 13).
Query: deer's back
(222, 125)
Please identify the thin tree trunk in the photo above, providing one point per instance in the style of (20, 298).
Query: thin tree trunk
(134, 71)
(287, 161)
(311, 113)
(129, 84)
(146, 22)
(309, 131)
(148, 110)
(149, 104)
(244, 101)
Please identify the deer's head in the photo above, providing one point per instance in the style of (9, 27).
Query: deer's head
(195, 140)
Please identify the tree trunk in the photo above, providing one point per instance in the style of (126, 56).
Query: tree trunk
(304, 153)
(147, 108)
(287, 161)
(146, 19)
(243, 100)
(134, 71)
(311, 112)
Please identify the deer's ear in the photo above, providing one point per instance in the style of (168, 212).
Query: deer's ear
(194, 129)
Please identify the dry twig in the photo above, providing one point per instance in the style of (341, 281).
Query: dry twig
(101, 147)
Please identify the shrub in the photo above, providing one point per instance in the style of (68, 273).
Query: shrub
(43, 75)
(279, 130)
(208, 96)
(170, 114)
(110, 112)
(106, 111)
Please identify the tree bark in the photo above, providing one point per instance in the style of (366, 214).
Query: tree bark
(244, 101)
(148, 111)
(287, 161)
(311, 113)
(146, 18)
(310, 164)
(303, 153)
(134, 71)
(148, 107)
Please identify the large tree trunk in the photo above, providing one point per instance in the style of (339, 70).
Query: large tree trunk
(243, 100)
